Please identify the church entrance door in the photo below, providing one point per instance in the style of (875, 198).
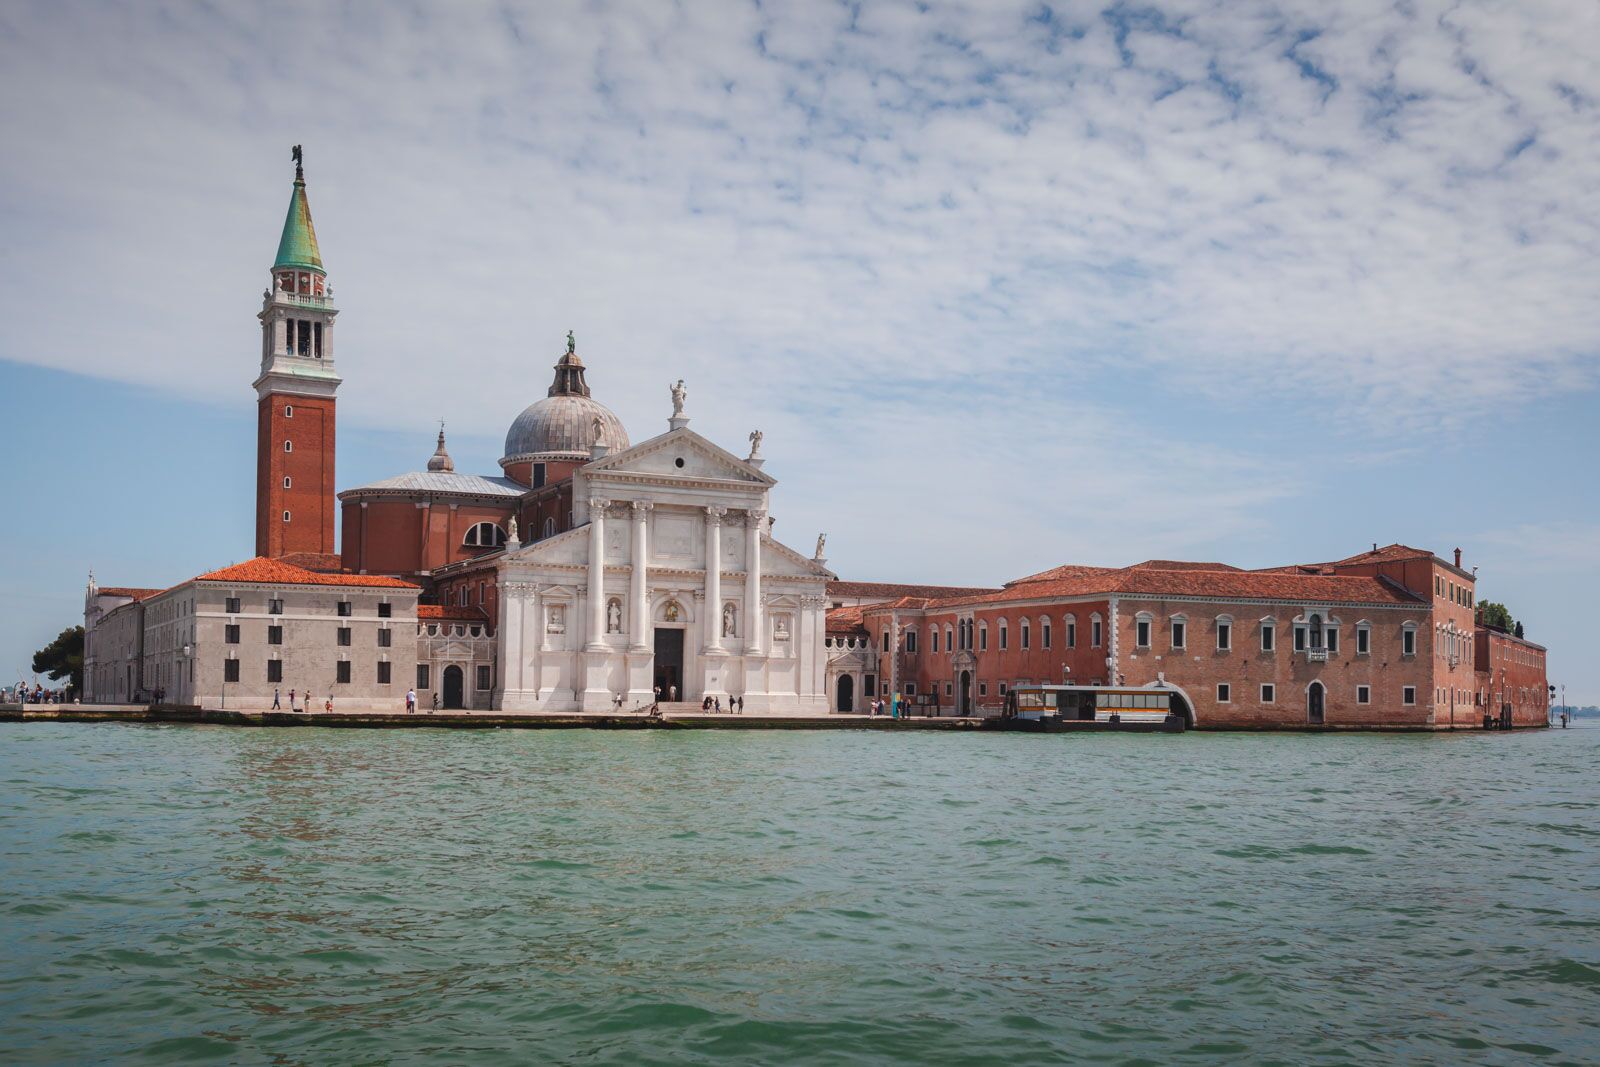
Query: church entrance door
(669, 662)
(965, 699)
(847, 693)
(453, 687)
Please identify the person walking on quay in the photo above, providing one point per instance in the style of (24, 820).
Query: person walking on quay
(741, 705)
(292, 706)
(435, 701)
(672, 693)
(411, 701)
(328, 707)
(276, 703)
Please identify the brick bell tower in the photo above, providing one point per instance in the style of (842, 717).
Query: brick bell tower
(295, 435)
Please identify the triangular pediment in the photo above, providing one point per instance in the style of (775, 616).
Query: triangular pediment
(778, 560)
(701, 461)
(567, 547)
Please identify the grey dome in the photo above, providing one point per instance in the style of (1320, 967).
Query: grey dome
(563, 427)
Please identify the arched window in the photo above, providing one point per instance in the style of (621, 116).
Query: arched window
(1070, 622)
(550, 527)
(1025, 634)
(1002, 635)
(1044, 631)
(484, 535)
(948, 633)
(983, 637)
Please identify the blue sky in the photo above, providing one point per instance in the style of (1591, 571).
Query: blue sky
(1005, 285)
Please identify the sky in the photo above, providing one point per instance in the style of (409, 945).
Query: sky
(1005, 285)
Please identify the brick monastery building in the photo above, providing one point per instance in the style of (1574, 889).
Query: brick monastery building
(590, 571)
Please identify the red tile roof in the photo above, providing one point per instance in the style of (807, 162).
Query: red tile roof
(1388, 554)
(127, 591)
(450, 611)
(263, 571)
(895, 590)
(1216, 584)
(1181, 565)
(325, 562)
(845, 621)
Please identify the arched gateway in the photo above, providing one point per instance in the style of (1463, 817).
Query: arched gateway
(847, 693)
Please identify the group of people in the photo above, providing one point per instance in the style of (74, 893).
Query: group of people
(713, 704)
(885, 706)
(411, 702)
(296, 699)
(22, 694)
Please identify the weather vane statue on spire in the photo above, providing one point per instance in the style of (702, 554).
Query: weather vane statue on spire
(299, 164)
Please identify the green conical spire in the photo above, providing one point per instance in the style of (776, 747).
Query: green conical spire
(298, 245)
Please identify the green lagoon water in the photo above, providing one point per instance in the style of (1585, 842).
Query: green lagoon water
(187, 894)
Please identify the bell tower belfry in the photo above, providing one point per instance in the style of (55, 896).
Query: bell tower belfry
(295, 392)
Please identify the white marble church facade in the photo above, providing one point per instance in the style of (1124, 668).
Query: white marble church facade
(668, 579)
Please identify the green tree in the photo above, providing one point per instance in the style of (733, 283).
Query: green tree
(1493, 614)
(62, 657)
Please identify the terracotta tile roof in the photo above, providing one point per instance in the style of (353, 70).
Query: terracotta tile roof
(263, 571)
(1388, 554)
(324, 562)
(1070, 570)
(1219, 584)
(451, 611)
(1181, 565)
(846, 621)
(127, 591)
(895, 590)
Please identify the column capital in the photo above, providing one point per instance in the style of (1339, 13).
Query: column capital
(754, 517)
(640, 507)
(714, 514)
(595, 502)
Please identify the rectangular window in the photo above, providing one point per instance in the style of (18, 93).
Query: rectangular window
(1027, 637)
(1269, 692)
(275, 635)
(344, 636)
(1299, 638)
(949, 689)
(1224, 692)
(1363, 694)
(230, 670)
(275, 606)
(1072, 634)
(1224, 636)
(871, 686)
(1408, 695)
(1094, 633)
(1002, 689)
(463, 596)
(1003, 637)
(1044, 633)
(231, 605)
(1363, 640)
(1269, 636)
(485, 678)
(983, 689)
(911, 689)
(274, 670)
(538, 475)
(1408, 642)
(983, 639)
(1180, 633)
(1332, 637)
(385, 609)
(341, 672)
(230, 633)
(385, 638)
(344, 609)
(933, 640)
(383, 672)
(422, 676)
(911, 640)
(1142, 634)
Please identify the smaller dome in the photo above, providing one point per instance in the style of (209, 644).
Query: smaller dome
(440, 460)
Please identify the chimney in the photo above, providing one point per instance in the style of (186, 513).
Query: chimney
(1458, 559)
(1374, 548)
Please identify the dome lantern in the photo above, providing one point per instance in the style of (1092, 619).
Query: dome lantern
(567, 423)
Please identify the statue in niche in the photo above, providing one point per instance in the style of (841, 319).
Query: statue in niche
(680, 396)
(614, 616)
(730, 621)
(780, 627)
(556, 622)
(670, 613)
